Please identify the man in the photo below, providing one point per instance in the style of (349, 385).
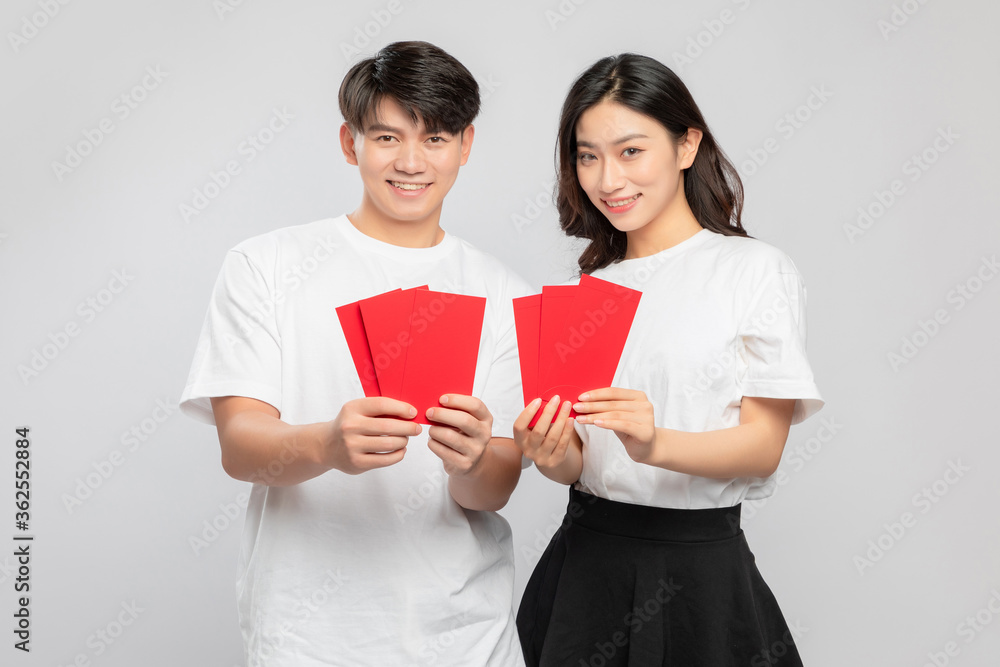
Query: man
(369, 540)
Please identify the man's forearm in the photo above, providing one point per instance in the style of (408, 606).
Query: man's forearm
(489, 485)
(260, 448)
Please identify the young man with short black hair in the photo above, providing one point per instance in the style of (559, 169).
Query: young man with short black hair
(370, 540)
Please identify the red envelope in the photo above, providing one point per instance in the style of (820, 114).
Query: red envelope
(387, 327)
(444, 334)
(354, 331)
(527, 321)
(592, 333)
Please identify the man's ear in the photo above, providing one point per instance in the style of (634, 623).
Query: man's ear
(468, 134)
(347, 144)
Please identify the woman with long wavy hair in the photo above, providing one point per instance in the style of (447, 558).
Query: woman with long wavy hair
(650, 566)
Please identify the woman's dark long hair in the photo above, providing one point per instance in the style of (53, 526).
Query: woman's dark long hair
(711, 184)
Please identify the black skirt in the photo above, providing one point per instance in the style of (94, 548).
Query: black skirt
(630, 585)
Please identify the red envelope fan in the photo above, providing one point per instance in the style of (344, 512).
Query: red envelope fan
(387, 327)
(444, 332)
(594, 327)
(354, 331)
(527, 318)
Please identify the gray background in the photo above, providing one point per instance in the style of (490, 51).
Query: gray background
(891, 430)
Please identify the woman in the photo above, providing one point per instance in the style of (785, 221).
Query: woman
(650, 566)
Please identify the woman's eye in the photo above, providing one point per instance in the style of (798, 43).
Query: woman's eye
(631, 152)
(585, 157)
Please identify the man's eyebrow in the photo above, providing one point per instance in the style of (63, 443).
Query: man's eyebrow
(625, 139)
(379, 127)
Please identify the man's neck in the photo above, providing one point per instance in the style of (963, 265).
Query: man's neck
(404, 233)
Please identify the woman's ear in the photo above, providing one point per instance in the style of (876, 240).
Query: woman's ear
(687, 150)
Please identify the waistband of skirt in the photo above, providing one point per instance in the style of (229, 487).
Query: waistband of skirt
(651, 523)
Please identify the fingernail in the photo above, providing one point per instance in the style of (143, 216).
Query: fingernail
(555, 398)
(413, 411)
(444, 400)
(584, 397)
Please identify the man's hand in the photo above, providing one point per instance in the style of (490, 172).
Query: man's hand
(366, 434)
(465, 432)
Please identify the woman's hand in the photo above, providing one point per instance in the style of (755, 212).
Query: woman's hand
(553, 446)
(627, 412)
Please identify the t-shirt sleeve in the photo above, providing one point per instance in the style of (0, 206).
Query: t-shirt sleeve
(239, 349)
(772, 340)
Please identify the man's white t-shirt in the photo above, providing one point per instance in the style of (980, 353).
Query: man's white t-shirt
(720, 318)
(381, 568)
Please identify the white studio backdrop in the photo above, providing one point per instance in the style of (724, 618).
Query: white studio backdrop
(141, 140)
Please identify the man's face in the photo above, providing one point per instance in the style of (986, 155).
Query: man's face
(406, 170)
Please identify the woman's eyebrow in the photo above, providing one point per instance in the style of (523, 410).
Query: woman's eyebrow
(625, 139)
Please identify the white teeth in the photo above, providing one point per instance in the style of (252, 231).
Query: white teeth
(621, 202)
(408, 186)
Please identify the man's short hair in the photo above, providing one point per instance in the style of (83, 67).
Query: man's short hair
(423, 79)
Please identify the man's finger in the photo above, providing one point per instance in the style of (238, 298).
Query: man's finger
(383, 406)
(470, 404)
(378, 426)
(459, 419)
(382, 444)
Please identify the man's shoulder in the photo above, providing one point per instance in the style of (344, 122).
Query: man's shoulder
(308, 238)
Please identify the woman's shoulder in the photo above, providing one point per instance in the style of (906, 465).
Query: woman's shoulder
(744, 254)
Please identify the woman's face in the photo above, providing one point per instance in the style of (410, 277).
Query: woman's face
(630, 166)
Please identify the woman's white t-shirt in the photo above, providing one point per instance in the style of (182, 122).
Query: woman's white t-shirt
(720, 318)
